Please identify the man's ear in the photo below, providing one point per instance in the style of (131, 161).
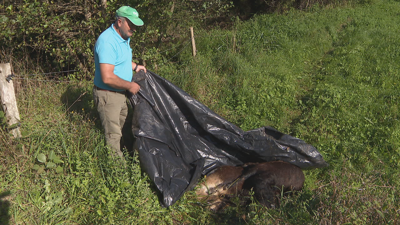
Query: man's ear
(119, 22)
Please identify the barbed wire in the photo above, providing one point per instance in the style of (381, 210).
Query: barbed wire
(187, 44)
(24, 76)
(184, 45)
(41, 80)
(39, 74)
(188, 40)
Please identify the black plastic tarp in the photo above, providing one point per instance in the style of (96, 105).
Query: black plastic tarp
(179, 139)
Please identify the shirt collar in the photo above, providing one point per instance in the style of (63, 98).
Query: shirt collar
(119, 36)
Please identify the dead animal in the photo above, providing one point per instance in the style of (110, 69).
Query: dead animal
(266, 180)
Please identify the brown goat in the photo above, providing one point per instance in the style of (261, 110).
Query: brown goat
(267, 180)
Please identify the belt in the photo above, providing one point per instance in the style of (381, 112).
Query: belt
(101, 89)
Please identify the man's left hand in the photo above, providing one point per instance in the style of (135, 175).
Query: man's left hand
(140, 67)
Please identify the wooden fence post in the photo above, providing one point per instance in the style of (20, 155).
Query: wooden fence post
(8, 100)
(193, 42)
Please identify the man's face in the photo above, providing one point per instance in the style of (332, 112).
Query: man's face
(126, 28)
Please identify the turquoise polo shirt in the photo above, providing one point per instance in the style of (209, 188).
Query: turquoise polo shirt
(111, 48)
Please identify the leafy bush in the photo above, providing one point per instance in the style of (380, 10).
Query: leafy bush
(57, 36)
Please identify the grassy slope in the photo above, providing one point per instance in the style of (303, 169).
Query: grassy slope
(329, 77)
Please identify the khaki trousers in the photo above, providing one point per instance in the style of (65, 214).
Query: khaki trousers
(113, 111)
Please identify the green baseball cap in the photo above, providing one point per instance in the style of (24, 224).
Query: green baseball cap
(130, 13)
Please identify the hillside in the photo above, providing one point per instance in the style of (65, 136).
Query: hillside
(326, 75)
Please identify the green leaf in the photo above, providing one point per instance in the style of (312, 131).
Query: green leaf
(380, 213)
(40, 170)
(41, 158)
(36, 167)
(57, 160)
(52, 155)
(50, 165)
(59, 169)
(125, 184)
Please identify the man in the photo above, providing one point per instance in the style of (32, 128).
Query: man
(113, 74)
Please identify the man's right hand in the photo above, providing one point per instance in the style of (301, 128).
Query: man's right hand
(134, 88)
(112, 80)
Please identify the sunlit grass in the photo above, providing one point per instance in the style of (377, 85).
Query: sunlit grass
(329, 77)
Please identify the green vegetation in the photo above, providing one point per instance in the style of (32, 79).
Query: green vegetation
(329, 76)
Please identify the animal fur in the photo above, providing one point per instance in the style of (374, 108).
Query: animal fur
(267, 180)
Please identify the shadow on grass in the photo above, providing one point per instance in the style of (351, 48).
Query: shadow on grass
(4, 208)
(295, 208)
(227, 217)
(78, 100)
(301, 205)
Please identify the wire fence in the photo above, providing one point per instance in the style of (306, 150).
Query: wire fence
(35, 82)
(54, 76)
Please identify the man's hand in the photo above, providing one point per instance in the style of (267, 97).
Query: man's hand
(140, 67)
(134, 88)
(109, 78)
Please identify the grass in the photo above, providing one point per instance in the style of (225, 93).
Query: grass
(327, 76)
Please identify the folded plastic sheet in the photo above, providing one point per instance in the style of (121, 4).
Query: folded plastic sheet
(179, 139)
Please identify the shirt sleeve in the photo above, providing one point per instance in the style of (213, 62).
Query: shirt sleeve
(106, 53)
